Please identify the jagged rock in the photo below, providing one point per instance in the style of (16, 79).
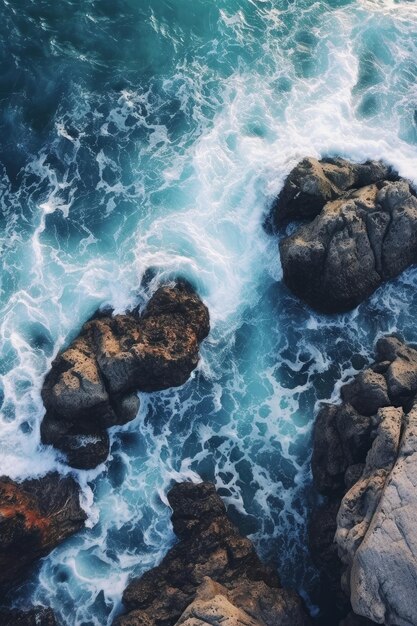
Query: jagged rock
(212, 607)
(383, 578)
(312, 183)
(359, 504)
(92, 384)
(358, 238)
(377, 506)
(341, 439)
(35, 617)
(35, 516)
(249, 604)
(367, 393)
(209, 546)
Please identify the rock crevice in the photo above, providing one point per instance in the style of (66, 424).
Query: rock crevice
(92, 384)
(365, 461)
(211, 576)
(363, 231)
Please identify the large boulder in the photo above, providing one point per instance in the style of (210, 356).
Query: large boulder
(35, 516)
(93, 384)
(357, 240)
(367, 462)
(212, 571)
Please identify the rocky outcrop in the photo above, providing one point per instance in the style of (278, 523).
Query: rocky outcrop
(92, 384)
(35, 516)
(365, 461)
(211, 576)
(363, 231)
(312, 184)
(35, 617)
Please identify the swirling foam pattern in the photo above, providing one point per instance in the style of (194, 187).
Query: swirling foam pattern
(155, 133)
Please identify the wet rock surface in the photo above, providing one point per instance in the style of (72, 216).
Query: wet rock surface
(92, 384)
(35, 617)
(211, 576)
(365, 461)
(363, 231)
(35, 516)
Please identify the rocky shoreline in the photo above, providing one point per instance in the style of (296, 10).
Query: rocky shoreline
(364, 462)
(362, 232)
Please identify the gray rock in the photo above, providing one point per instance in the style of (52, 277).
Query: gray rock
(376, 532)
(357, 240)
(341, 438)
(359, 504)
(367, 392)
(312, 183)
(383, 577)
(212, 573)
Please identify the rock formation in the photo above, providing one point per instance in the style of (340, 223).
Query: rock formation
(35, 617)
(212, 576)
(365, 461)
(35, 516)
(363, 231)
(92, 384)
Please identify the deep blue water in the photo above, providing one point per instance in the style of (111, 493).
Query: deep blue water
(156, 133)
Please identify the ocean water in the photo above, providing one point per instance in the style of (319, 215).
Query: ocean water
(142, 134)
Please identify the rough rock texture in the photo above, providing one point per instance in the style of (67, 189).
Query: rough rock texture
(364, 231)
(35, 617)
(312, 183)
(35, 516)
(185, 587)
(92, 384)
(365, 459)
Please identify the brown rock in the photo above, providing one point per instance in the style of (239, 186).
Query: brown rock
(35, 516)
(312, 183)
(367, 392)
(92, 384)
(209, 546)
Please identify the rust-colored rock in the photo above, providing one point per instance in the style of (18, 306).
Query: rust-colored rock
(35, 516)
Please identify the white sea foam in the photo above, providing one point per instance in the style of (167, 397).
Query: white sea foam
(194, 205)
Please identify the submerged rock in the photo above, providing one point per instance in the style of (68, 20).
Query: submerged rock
(212, 576)
(35, 516)
(364, 231)
(368, 463)
(92, 384)
(35, 617)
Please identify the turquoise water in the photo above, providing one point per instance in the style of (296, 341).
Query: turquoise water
(156, 133)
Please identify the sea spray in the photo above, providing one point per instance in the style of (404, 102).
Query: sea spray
(165, 136)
